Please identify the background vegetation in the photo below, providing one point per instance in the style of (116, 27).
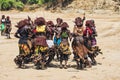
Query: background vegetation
(82, 4)
(19, 4)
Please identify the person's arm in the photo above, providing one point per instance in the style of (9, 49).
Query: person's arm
(69, 35)
(17, 34)
(74, 29)
(10, 25)
(83, 17)
(83, 30)
(49, 29)
(55, 30)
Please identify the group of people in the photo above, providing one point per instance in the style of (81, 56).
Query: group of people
(5, 26)
(41, 40)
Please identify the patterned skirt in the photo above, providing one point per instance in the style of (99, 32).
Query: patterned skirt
(24, 49)
(40, 49)
(65, 50)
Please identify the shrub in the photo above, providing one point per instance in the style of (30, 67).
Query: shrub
(19, 5)
(32, 1)
(23, 1)
(6, 4)
(40, 2)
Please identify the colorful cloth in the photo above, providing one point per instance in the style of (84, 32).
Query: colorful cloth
(57, 41)
(64, 35)
(40, 28)
(24, 49)
(94, 42)
(50, 43)
(64, 46)
(2, 27)
(39, 49)
(88, 31)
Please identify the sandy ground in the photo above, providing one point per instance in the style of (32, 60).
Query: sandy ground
(108, 67)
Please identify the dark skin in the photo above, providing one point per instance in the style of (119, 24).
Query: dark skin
(50, 31)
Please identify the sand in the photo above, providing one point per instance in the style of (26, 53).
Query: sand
(108, 67)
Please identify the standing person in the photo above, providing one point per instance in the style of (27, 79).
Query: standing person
(2, 25)
(79, 50)
(90, 40)
(64, 45)
(49, 35)
(94, 33)
(88, 34)
(8, 27)
(24, 49)
(57, 37)
(23, 34)
(78, 31)
(40, 43)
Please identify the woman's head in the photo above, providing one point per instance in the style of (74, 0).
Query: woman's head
(22, 23)
(78, 22)
(50, 24)
(40, 21)
(64, 26)
(3, 16)
(90, 23)
(8, 18)
(59, 21)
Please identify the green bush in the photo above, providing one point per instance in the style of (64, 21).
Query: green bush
(19, 5)
(23, 1)
(32, 1)
(40, 2)
(6, 4)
